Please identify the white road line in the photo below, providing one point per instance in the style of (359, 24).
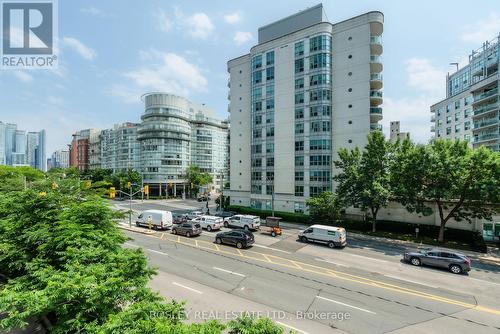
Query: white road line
(155, 251)
(274, 249)
(351, 306)
(327, 261)
(187, 288)
(367, 257)
(229, 271)
(410, 281)
(295, 329)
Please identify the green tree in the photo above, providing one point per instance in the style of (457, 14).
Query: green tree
(120, 179)
(16, 178)
(197, 178)
(461, 182)
(326, 207)
(364, 178)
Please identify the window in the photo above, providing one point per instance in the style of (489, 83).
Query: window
(448, 108)
(256, 189)
(299, 176)
(319, 79)
(448, 130)
(269, 91)
(269, 147)
(299, 65)
(257, 133)
(270, 162)
(258, 119)
(320, 60)
(257, 77)
(299, 48)
(299, 128)
(257, 162)
(466, 125)
(299, 83)
(322, 42)
(269, 189)
(448, 119)
(299, 146)
(457, 128)
(270, 132)
(299, 207)
(468, 100)
(299, 160)
(269, 104)
(270, 176)
(269, 117)
(257, 148)
(319, 160)
(315, 191)
(257, 62)
(299, 190)
(320, 126)
(319, 111)
(270, 73)
(457, 117)
(467, 113)
(256, 176)
(319, 175)
(257, 93)
(257, 106)
(320, 95)
(457, 104)
(319, 144)
(299, 113)
(299, 98)
(270, 58)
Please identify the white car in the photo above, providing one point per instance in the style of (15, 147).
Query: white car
(193, 214)
(209, 223)
(246, 222)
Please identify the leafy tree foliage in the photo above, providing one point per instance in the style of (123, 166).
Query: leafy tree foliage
(197, 178)
(364, 176)
(120, 180)
(251, 325)
(463, 183)
(325, 207)
(15, 178)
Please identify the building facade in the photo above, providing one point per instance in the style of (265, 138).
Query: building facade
(471, 109)
(395, 132)
(119, 148)
(21, 148)
(306, 90)
(79, 149)
(60, 159)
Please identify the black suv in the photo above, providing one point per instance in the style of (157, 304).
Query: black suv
(188, 229)
(238, 238)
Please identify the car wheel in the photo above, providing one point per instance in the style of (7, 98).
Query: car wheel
(188, 234)
(218, 240)
(331, 244)
(246, 227)
(209, 228)
(273, 234)
(456, 269)
(303, 239)
(174, 231)
(226, 224)
(239, 245)
(137, 224)
(415, 261)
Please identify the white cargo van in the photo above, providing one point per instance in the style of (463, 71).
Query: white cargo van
(158, 219)
(246, 222)
(330, 235)
(209, 222)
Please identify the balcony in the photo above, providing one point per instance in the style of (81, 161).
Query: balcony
(376, 45)
(485, 109)
(376, 81)
(376, 97)
(433, 128)
(433, 118)
(375, 114)
(486, 123)
(376, 64)
(375, 127)
(486, 137)
(485, 96)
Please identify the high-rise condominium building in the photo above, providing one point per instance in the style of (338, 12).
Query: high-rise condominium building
(79, 156)
(176, 133)
(60, 159)
(18, 148)
(119, 148)
(471, 108)
(306, 90)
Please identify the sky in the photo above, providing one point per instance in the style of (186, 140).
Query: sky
(113, 51)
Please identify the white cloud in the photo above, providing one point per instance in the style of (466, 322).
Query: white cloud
(482, 30)
(232, 18)
(165, 24)
(79, 47)
(167, 72)
(423, 76)
(241, 37)
(200, 25)
(23, 76)
(92, 11)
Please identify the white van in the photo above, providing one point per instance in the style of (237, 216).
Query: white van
(243, 221)
(209, 222)
(330, 235)
(158, 219)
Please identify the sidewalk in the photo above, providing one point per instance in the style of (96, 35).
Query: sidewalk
(491, 257)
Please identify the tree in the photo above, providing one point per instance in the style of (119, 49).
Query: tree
(16, 178)
(325, 207)
(364, 176)
(197, 178)
(121, 179)
(250, 325)
(461, 182)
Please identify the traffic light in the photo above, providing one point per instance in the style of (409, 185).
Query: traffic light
(129, 184)
(112, 192)
(146, 189)
(192, 185)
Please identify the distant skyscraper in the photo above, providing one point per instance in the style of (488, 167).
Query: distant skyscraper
(32, 144)
(20, 149)
(60, 159)
(41, 156)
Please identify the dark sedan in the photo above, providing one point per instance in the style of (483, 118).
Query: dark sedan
(238, 238)
(455, 262)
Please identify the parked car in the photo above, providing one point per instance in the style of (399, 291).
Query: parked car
(159, 219)
(193, 214)
(209, 222)
(203, 198)
(225, 214)
(240, 239)
(455, 262)
(246, 222)
(189, 229)
(180, 218)
(330, 235)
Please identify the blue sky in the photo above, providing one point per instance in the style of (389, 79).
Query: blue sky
(111, 52)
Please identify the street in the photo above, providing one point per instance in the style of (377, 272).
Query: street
(310, 288)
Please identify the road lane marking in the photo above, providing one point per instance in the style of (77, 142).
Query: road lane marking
(267, 258)
(187, 288)
(296, 264)
(349, 277)
(293, 328)
(229, 271)
(239, 252)
(367, 257)
(347, 305)
(155, 251)
(270, 248)
(410, 281)
(331, 262)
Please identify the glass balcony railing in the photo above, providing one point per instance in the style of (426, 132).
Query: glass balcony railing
(487, 122)
(484, 95)
(376, 76)
(433, 128)
(375, 110)
(376, 93)
(488, 136)
(376, 126)
(375, 59)
(375, 40)
(486, 108)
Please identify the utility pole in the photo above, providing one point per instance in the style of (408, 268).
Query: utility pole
(130, 195)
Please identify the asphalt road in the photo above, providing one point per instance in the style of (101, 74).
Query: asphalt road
(314, 289)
